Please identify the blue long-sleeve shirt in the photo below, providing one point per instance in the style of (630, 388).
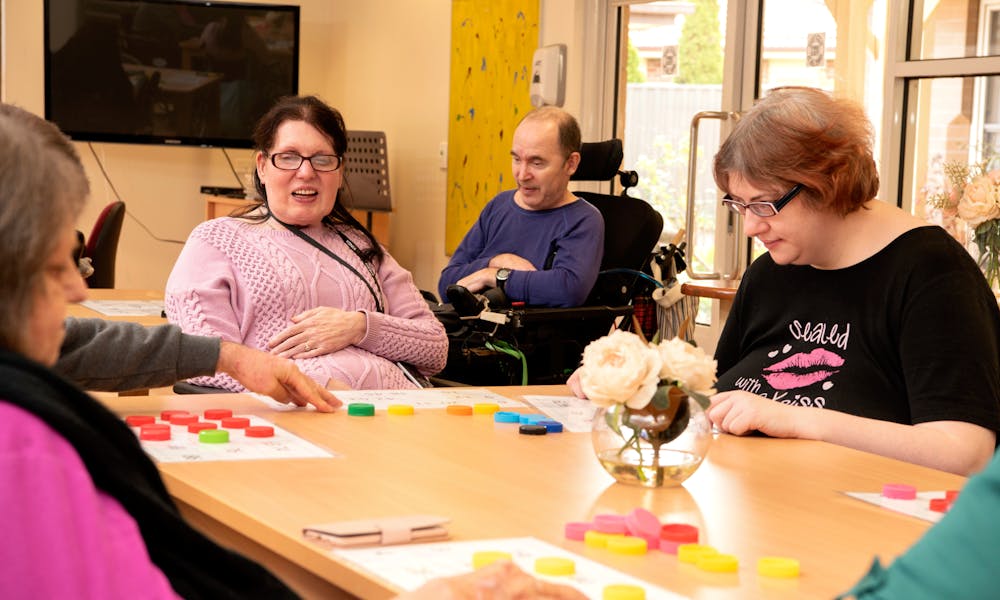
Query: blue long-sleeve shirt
(572, 234)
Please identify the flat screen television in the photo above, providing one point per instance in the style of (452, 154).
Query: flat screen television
(167, 71)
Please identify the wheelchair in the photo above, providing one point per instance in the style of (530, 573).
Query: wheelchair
(493, 343)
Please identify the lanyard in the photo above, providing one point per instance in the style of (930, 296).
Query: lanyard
(354, 248)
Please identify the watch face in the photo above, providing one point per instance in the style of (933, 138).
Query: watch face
(503, 273)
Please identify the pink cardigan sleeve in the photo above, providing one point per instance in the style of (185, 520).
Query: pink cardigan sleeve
(64, 538)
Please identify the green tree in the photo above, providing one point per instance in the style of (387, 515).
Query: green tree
(700, 50)
(636, 72)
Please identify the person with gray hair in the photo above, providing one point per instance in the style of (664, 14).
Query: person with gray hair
(538, 243)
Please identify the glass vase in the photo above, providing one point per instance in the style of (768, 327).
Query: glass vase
(652, 447)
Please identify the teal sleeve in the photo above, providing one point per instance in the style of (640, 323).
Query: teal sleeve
(957, 558)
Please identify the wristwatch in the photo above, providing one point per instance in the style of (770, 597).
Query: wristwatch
(503, 273)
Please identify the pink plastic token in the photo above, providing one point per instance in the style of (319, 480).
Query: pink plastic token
(899, 491)
(951, 495)
(575, 530)
(139, 420)
(201, 425)
(939, 505)
(166, 415)
(154, 433)
(185, 419)
(609, 523)
(235, 422)
(260, 431)
(217, 414)
(673, 535)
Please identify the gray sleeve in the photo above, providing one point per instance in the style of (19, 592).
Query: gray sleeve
(119, 355)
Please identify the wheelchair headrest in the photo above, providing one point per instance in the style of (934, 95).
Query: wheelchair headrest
(599, 161)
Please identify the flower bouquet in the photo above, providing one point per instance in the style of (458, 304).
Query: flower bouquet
(650, 427)
(975, 197)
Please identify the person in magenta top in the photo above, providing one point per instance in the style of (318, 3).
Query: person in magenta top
(296, 274)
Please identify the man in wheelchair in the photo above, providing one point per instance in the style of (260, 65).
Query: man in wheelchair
(537, 250)
(540, 244)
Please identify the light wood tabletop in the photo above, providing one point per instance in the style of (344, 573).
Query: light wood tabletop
(753, 497)
(120, 295)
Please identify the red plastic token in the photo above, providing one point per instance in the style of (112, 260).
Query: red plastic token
(260, 431)
(185, 419)
(217, 414)
(951, 495)
(166, 415)
(899, 491)
(235, 422)
(200, 426)
(154, 433)
(575, 530)
(139, 420)
(673, 535)
(939, 504)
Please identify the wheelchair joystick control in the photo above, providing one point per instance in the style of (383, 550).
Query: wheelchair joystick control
(465, 302)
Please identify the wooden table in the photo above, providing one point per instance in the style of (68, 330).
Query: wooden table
(752, 497)
(79, 310)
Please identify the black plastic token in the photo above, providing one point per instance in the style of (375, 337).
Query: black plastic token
(529, 429)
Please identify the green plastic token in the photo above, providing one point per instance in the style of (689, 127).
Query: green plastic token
(213, 436)
(361, 409)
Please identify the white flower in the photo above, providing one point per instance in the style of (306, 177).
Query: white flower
(620, 368)
(979, 201)
(688, 365)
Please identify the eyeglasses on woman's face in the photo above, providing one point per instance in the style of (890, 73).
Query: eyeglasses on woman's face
(762, 209)
(290, 161)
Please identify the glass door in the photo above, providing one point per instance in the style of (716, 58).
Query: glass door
(687, 69)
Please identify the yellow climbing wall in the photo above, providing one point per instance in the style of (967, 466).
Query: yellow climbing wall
(492, 42)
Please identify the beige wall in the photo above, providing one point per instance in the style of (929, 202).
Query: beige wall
(383, 63)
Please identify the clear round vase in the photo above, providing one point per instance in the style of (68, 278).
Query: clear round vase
(653, 447)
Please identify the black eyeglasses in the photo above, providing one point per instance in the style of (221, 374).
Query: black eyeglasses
(762, 209)
(290, 161)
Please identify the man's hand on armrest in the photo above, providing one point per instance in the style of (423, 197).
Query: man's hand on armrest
(273, 376)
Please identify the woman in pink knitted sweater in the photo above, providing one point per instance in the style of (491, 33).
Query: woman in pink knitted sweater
(296, 274)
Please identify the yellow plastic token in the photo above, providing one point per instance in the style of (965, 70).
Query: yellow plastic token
(459, 409)
(554, 565)
(485, 408)
(623, 591)
(596, 539)
(400, 409)
(627, 545)
(690, 553)
(778, 566)
(488, 557)
(718, 563)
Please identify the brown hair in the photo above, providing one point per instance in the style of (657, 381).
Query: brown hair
(803, 135)
(328, 121)
(42, 190)
(569, 129)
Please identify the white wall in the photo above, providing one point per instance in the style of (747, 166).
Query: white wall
(383, 63)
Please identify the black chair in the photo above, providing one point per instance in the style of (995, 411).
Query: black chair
(548, 342)
(102, 245)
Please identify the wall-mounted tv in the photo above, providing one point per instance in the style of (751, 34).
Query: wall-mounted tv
(167, 71)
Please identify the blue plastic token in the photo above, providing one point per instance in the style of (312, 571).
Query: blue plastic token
(533, 419)
(506, 417)
(551, 426)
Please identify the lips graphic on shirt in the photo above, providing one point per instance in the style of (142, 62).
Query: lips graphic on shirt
(802, 369)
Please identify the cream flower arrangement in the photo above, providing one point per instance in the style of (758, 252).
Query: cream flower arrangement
(974, 195)
(621, 368)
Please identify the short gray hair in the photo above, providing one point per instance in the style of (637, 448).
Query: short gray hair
(42, 190)
(569, 130)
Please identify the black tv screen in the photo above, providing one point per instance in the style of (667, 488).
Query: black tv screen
(167, 71)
